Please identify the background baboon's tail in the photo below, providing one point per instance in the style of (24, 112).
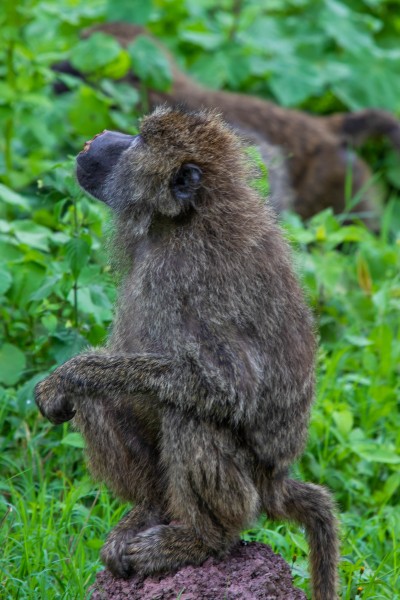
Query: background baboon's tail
(311, 506)
(358, 126)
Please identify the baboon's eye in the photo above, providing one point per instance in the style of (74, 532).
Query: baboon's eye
(186, 181)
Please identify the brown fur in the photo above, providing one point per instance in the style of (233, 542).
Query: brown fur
(200, 401)
(308, 157)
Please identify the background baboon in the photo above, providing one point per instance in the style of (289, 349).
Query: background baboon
(200, 402)
(308, 157)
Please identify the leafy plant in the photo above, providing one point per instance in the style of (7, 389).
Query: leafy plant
(57, 289)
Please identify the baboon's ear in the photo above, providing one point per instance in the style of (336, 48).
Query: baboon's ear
(186, 182)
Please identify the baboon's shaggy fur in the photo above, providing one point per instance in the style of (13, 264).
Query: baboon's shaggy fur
(200, 402)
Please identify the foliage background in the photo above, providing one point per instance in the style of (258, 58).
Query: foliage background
(57, 290)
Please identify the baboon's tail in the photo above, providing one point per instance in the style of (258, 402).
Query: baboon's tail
(358, 126)
(311, 506)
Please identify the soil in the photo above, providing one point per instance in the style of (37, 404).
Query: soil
(250, 572)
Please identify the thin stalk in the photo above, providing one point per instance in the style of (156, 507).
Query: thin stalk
(75, 286)
(9, 125)
(236, 11)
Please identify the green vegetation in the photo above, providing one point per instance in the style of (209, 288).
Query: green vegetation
(57, 291)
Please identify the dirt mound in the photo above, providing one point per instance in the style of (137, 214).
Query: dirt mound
(250, 572)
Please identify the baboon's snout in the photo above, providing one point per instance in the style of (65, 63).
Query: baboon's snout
(98, 158)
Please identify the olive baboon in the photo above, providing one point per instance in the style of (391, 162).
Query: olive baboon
(309, 158)
(200, 402)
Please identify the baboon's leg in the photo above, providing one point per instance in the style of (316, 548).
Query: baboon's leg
(121, 450)
(211, 498)
(123, 453)
(311, 506)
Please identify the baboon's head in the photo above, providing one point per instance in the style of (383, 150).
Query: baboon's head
(178, 162)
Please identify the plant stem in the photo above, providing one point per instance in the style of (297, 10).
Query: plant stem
(9, 125)
(75, 288)
(236, 11)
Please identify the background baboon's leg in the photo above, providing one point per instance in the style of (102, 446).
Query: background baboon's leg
(211, 497)
(122, 451)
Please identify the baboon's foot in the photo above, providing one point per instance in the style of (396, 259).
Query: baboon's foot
(166, 548)
(114, 553)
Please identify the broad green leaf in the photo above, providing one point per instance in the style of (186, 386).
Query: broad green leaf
(49, 322)
(268, 34)
(258, 66)
(344, 420)
(10, 197)
(299, 541)
(150, 64)
(93, 303)
(73, 439)
(5, 279)
(27, 278)
(385, 493)
(211, 71)
(294, 79)
(32, 234)
(9, 252)
(375, 90)
(124, 94)
(351, 30)
(374, 452)
(129, 11)
(96, 52)
(123, 122)
(239, 70)
(73, 14)
(46, 289)
(118, 68)
(89, 112)
(12, 364)
(358, 340)
(99, 296)
(77, 252)
(85, 302)
(199, 35)
(350, 233)
(5, 226)
(391, 485)
(95, 544)
(25, 394)
(67, 343)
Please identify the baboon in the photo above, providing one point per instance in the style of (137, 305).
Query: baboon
(309, 158)
(200, 401)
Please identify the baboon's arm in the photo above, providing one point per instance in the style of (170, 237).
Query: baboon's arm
(219, 393)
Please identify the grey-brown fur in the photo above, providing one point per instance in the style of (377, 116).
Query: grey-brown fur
(200, 401)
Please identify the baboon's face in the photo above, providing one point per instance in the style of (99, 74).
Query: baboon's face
(166, 169)
(155, 170)
(121, 171)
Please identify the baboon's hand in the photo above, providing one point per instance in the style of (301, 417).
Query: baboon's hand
(82, 375)
(54, 401)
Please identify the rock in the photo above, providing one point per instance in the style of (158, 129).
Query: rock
(250, 572)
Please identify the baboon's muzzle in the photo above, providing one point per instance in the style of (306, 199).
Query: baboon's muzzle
(98, 158)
